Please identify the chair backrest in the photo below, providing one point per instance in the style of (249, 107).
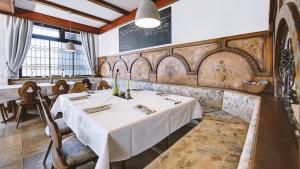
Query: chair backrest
(29, 91)
(103, 85)
(56, 137)
(78, 87)
(87, 83)
(60, 87)
(54, 131)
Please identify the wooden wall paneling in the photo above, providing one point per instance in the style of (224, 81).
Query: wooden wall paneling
(140, 70)
(123, 69)
(224, 69)
(186, 61)
(172, 69)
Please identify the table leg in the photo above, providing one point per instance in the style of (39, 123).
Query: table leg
(13, 107)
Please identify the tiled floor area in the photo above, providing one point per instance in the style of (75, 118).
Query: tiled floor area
(25, 147)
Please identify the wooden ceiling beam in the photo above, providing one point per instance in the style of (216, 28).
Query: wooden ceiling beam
(127, 18)
(7, 6)
(110, 6)
(50, 20)
(74, 11)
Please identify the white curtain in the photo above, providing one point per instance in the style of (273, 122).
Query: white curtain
(18, 36)
(88, 43)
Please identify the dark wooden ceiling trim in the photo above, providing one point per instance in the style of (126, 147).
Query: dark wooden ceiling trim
(7, 6)
(50, 20)
(110, 6)
(74, 11)
(127, 18)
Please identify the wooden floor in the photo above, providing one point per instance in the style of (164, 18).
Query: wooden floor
(276, 149)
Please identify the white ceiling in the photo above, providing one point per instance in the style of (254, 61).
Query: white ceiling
(81, 5)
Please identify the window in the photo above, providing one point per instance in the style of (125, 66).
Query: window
(47, 55)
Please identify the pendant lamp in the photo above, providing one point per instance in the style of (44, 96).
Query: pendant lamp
(70, 47)
(147, 15)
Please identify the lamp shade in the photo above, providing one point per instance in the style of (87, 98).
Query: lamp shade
(147, 15)
(70, 47)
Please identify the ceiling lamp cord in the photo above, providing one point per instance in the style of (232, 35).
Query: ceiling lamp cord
(70, 47)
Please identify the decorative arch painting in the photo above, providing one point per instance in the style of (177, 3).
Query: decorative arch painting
(223, 63)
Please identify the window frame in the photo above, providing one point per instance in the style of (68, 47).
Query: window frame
(60, 39)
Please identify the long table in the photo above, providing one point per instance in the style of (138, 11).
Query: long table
(123, 131)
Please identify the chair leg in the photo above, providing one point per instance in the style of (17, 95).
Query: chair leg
(2, 109)
(41, 116)
(19, 111)
(5, 111)
(48, 151)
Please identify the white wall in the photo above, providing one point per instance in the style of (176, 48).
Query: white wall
(3, 80)
(196, 20)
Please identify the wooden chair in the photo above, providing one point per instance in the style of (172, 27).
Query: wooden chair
(87, 83)
(69, 152)
(62, 126)
(103, 85)
(60, 87)
(28, 94)
(3, 112)
(78, 87)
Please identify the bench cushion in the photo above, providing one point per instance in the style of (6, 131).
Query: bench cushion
(217, 142)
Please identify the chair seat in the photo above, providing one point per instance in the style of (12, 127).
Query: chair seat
(75, 152)
(22, 102)
(62, 126)
(52, 97)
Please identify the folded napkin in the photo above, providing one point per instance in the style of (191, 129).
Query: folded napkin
(145, 109)
(97, 108)
(78, 97)
(172, 100)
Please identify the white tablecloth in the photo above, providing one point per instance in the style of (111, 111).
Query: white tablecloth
(10, 92)
(123, 131)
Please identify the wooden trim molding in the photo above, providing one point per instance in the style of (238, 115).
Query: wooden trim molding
(46, 19)
(129, 17)
(110, 6)
(74, 11)
(7, 6)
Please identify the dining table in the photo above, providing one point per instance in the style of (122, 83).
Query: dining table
(124, 130)
(9, 93)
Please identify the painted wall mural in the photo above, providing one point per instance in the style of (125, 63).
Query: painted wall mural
(223, 63)
(171, 70)
(140, 70)
(253, 46)
(192, 54)
(224, 69)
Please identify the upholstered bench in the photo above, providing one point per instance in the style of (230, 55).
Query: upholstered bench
(216, 143)
(226, 136)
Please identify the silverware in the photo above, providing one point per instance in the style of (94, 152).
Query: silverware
(174, 101)
(145, 109)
